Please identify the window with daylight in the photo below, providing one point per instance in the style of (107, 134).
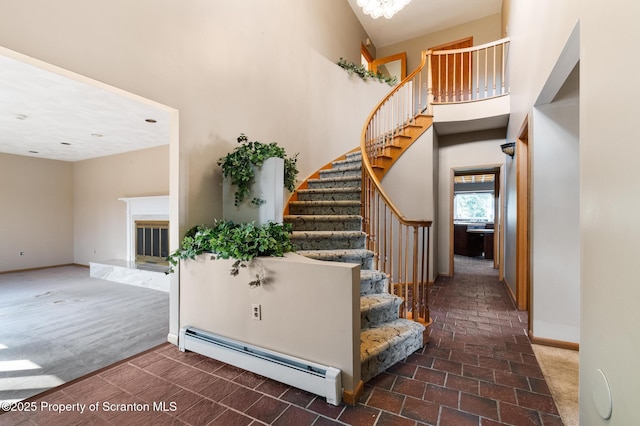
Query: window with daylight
(473, 207)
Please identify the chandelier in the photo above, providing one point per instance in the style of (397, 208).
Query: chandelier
(378, 8)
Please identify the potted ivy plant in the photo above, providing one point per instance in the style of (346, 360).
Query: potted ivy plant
(235, 237)
(241, 242)
(255, 175)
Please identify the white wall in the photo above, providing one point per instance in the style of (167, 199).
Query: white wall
(36, 216)
(555, 213)
(461, 151)
(609, 206)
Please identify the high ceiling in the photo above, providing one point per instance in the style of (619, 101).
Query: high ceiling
(50, 115)
(422, 17)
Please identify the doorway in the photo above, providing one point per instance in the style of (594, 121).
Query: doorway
(475, 215)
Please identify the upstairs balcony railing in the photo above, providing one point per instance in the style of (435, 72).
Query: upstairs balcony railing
(401, 245)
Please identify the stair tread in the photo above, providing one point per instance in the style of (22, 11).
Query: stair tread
(329, 190)
(323, 217)
(364, 252)
(327, 234)
(327, 202)
(337, 179)
(371, 302)
(376, 339)
(372, 274)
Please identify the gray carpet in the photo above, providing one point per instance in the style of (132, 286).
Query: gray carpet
(58, 324)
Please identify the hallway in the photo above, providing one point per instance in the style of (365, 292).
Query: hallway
(478, 369)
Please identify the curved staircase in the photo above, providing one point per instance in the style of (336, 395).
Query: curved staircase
(327, 225)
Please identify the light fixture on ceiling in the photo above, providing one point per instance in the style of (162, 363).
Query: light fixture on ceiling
(21, 116)
(151, 120)
(65, 143)
(378, 8)
(97, 135)
(509, 148)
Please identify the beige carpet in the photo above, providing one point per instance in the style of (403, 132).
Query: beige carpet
(560, 368)
(59, 324)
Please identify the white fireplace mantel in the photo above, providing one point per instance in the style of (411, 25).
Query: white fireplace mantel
(143, 208)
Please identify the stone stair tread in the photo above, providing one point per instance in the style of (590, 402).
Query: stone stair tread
(375, 340)
(376, 301)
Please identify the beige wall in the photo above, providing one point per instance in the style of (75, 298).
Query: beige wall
(482, 30)
(461, 151)
(609, 206)
(36, 216)
(416, 201)
(295, 320)
(266, 73)
(100, 231)
(539, 31)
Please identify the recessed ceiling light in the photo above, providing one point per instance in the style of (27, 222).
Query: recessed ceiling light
(65, 143)
(151, 120)
(21, 117)
(33, 152)
(97, 135)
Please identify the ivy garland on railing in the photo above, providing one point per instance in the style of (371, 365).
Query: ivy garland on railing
(365, 74)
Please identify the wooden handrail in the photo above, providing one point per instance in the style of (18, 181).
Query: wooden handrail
(403, 255)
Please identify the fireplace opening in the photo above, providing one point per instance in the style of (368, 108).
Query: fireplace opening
(152, 242)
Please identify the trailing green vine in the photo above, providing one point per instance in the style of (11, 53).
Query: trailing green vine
(228, 240)
(239, 165)
(365, 74)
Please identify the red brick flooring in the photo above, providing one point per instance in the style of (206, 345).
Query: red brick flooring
(478, 369)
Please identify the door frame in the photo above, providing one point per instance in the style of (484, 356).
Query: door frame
(523, 220)
(497, 224)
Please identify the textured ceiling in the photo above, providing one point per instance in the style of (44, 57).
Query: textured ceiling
(422, 17)
(48, 115)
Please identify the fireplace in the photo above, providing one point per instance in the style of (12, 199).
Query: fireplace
(152, 241)
(147, 229)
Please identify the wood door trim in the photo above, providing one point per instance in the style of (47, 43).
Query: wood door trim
(523, 188)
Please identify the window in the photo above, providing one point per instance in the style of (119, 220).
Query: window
(473, 207)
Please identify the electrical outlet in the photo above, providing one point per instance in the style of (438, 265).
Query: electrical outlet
(21, 253)
(256, 312)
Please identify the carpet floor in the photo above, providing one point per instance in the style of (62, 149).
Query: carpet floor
(59, 324)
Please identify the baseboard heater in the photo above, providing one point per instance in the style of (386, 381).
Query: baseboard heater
(311, 377)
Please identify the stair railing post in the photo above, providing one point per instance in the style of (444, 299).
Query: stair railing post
(414, 277)
(429, 100)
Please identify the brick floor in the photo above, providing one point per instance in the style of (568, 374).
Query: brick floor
(478, 369)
